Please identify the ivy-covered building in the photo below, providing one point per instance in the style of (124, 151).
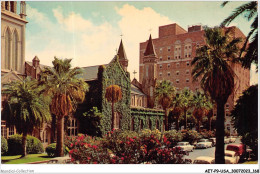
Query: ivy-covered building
(131, 112)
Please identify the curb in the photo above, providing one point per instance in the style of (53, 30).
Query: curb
(38, 162)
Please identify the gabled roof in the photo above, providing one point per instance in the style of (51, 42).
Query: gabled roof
(149, 48)
(41, 65)
(89, 73)
(135, 90)
(121, 51)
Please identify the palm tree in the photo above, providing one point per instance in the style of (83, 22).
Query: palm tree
(211, 62)
(209, 113)
(66, 91)
(186, 102)
(113, 95)
(26, 108)
(164, 93)
(177, 111)
(199, 104)
(249, 10)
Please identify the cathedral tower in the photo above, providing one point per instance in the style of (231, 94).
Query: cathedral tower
(13, 37)
(150, 72)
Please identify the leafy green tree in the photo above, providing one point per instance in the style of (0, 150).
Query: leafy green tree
(212, 63)
(249, 10)
(164, 94)
(113, 95)
(209, 113)
(66, 91)
(186, 97)
(25, 108)
(245, 117)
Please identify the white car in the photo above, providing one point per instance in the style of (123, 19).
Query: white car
(60, 160)
(185, 146)
(226, 140)
(204, 160)
(203, 143)
(232, 139)
(231, 157)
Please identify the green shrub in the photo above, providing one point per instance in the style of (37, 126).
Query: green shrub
(33, 146)
(190, 136)
(51, 149)
(173, 136)
(4, 147)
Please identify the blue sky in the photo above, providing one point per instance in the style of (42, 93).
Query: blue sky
(89, 32)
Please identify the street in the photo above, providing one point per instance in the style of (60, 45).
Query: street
(204, 152)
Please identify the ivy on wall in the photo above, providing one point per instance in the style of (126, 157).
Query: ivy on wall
(113, 74)
(146, 115)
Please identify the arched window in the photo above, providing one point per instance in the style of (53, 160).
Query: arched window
(72, 127)
(6, 5)
(8, 49)
(15, 51)
(133, 124)
(12, 6)
(150, 124)
(141, 124)
(157, 124)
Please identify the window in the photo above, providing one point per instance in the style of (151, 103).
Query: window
(187, 80)
(147, 71)
(45, 137)
(177, 64)
(168, 65)
(15, 52)
(160, 58)
(177, 73)
(11, 130)
(3, 129)
(8, 49)
(169, 48)
(160, 66)
(227, 105)
(177, 81)
(187, 72)
(169, 57)
(169, 74)
(160, 74)
(188, 63)
(72, 128)
(160, 50)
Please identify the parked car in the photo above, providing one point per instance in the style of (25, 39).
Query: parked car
(213, 140)
(238, 148)
(203, 143)
(185, 146)
(204, 160)
(60, 160)
(232, 139)
(231, 157)
(226, 140)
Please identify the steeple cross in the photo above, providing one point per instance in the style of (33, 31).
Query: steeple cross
(150, 30)
(121, 35)
(134, 73)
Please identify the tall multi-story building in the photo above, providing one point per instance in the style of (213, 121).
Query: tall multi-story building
(175, 48)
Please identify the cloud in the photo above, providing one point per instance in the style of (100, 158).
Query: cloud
(135, 25)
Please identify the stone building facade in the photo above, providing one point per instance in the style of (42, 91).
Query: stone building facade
(175, 48)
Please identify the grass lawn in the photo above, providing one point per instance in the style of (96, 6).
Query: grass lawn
(29, 158)
(250, 162)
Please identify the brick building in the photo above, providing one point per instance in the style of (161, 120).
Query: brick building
(175, 48)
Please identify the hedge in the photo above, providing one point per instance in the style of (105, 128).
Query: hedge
(4, 147)
(51, 149)
(33, 145)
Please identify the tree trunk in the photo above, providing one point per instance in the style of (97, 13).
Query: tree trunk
(185, 117)
(220, 131)
(198, 125)
(24, 142)
(113, 116)
(209, 122)
(60, 137)
(177, 124)
(53, 128)
(166, 120)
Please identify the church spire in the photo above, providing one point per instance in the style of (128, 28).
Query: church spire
(149, 48)
(121, 51)
(122, 56)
